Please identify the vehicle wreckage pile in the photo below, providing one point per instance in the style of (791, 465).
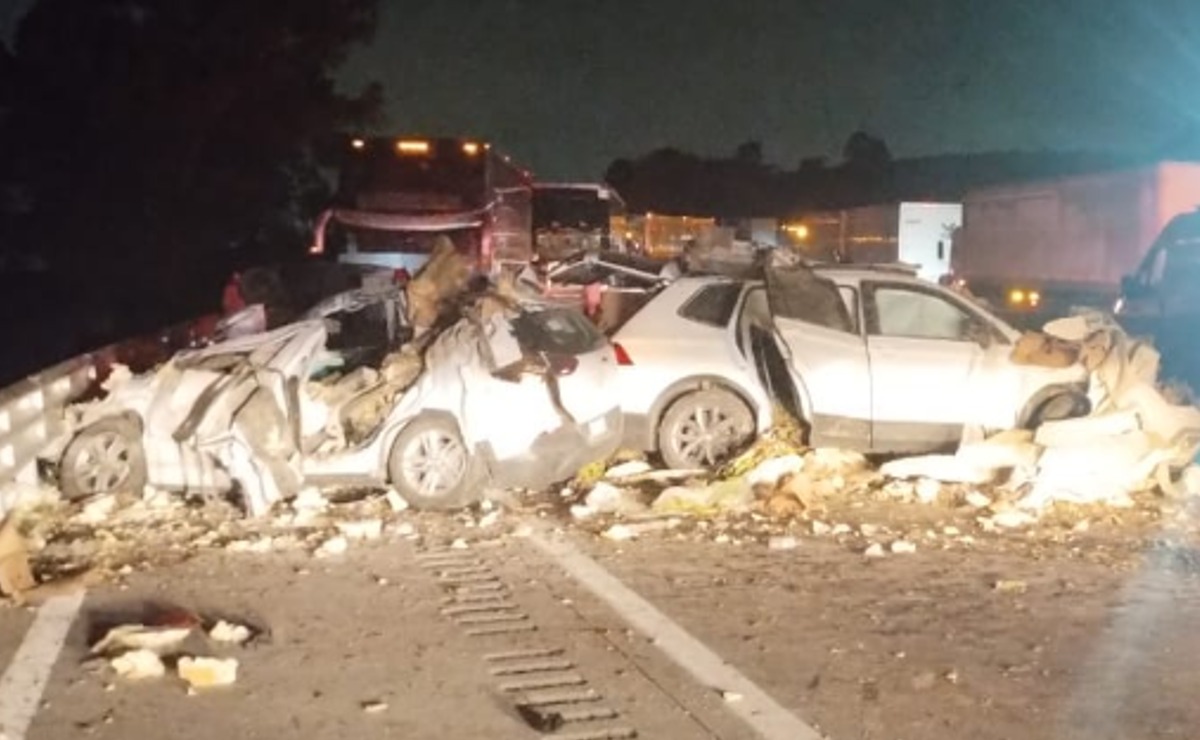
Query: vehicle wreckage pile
(1134, 450)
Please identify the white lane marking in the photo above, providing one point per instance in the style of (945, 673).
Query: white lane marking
(22, 685)
(757, 709)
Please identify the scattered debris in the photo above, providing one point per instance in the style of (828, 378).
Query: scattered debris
(228, 632)
(364, 529)
(783, 543)
(619, 532)
(875, 550)
(97, 509)
(395, 500)
(459, 544)
(731, 697)
(332, 546)
(202, 672)
(135, 637)
(15, 574)
(374, 707)
(1006, 586)
(136, 665)
(903, 547)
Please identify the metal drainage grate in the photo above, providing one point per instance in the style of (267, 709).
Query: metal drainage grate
(550, 695)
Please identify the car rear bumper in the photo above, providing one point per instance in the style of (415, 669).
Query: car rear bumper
(558, 455)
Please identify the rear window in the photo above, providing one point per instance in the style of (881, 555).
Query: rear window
(797, 293)
(557, 331)
(713, 304)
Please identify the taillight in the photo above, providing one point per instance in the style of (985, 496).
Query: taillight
(562, 364)
(401, 275)
(622, 356)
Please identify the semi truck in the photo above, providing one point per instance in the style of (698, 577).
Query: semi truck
(1041, 248)
(913, 233)
(396, 196)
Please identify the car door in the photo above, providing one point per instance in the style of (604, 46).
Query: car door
(825, 353)
(927, 366)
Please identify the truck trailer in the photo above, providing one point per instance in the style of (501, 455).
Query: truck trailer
(1041, 248)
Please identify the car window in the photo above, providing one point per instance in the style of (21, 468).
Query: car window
(713, 304)
(559, 331)
(797, 293)
(903, 312)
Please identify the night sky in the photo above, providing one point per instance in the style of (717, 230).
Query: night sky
(566, 86)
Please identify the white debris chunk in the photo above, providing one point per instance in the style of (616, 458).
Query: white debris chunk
(820, 528)
(1012, 519)
(136, 665)
(946, 468)
(257, 546)
(202, 673)
(732, 697)
(1086, 429)
(97, 509)
(459, 544)
(618, 533)
(928, 490)
(332, 546)
(235, 634)
(769, 471)
(903, 547)
(118, 375)
(1102, 470)
(782, 543)
(489, 519)
(135, 637)
(833, 460)
(874, 551)
(310, 499)
(374, 707)
(364, 529)
(978, 500)
(395, 500)
(605, 498)
(627, 469)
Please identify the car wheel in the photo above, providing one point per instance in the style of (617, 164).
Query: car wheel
(704, 429)
(106, 457)
(1067, 405)
(431, 467)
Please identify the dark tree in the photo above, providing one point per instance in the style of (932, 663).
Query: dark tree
(865, 152)
(750, 153)
(156, 138)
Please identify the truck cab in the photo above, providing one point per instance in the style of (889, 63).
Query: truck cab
(1167, 282)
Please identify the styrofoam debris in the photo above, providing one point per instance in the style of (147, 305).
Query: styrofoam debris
(236, 634)
(203, 672)
(136, 665)
(363, 529)
(769, 471)
(332, 546)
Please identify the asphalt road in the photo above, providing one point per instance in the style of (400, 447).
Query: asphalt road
(452, 641)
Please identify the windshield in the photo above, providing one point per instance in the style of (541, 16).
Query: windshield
(570, 209)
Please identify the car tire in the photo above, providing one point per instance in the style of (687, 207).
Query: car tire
(1067, 405)
(430, 466)
(705, 429)
(106, 457)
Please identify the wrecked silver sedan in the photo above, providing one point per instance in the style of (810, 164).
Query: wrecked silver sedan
(518, 394)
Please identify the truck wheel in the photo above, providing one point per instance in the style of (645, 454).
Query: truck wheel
(704, 429)
(431, 467)
(106, 457)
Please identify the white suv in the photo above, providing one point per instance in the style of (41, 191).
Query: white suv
(871, 358)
